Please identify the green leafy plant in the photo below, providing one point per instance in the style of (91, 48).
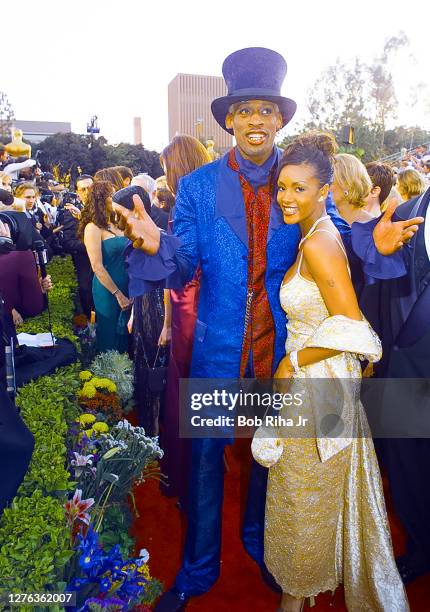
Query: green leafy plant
(43, 403)
(35, 544)
(119, 368)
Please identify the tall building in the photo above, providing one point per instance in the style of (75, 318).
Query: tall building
(36, 131)
(137, 130)
(190, 97)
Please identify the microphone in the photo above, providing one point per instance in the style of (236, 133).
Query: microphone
(40, 256)
(9, 361)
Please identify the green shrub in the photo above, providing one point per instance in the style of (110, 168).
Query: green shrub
(35, 544)
(43, 404)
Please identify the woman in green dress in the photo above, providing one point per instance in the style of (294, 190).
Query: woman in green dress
(105, 246)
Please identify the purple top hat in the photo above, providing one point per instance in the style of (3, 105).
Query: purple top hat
(254, 73)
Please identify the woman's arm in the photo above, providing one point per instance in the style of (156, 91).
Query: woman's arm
(93, 244)
(327, 264)
(166, 332)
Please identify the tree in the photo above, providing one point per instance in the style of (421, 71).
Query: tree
(68, 152)
(6, 117)
(357, 94)
(382, 85)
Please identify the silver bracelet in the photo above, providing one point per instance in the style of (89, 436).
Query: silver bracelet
(294, 361)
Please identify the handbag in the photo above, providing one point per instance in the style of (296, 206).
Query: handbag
(157, 376)
(266, 447)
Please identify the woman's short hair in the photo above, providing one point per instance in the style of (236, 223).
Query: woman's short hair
(183, 155)
(351, 176)
(112, 176)
(381, 175)
(317, 149)
(96, 210)
(410, 183)
(19, 189)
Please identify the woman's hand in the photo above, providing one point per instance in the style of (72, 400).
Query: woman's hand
(165, 336)
(17, 318)
(123, 301)
(46, 284)
(138, 226)
(285, 368)
(283, 375)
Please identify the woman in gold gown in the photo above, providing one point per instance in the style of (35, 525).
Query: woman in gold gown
(326, 521)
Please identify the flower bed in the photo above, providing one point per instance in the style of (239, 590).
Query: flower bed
(68, 524)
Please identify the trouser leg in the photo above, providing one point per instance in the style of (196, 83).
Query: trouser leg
(201, 563)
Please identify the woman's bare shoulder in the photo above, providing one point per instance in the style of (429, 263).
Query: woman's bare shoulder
(323, 252)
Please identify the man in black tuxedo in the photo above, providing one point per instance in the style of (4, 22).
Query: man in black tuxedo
(404, 328)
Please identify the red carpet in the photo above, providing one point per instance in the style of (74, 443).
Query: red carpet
(240, 588)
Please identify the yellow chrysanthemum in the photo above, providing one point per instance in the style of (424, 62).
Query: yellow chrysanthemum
(86, 419)
(88, 390)
(101, 427)
(104, 383)
(85, 375)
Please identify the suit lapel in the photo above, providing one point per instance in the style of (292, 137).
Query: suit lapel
(229, 201)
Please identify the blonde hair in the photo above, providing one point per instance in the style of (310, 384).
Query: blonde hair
(19, 190)
(410, 183)
(3, 176)
(393, 195)
(351, 176)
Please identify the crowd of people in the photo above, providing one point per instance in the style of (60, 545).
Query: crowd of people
(293, 264)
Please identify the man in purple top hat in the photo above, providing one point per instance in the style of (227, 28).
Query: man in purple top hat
(229, 223)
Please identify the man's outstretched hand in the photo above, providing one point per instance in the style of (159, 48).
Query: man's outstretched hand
(390, 236)
(138, 226)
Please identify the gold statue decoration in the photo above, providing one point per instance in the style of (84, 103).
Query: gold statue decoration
(210, 144)
(18, 148)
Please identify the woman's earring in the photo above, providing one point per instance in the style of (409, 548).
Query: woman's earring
(345, 193)
(320, 199)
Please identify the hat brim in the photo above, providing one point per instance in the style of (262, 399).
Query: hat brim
(220, 106)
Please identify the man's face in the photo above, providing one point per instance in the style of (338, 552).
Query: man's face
(29, 196)
(82, 189)
(255, 124)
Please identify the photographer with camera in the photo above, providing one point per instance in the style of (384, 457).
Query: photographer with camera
(69, 215)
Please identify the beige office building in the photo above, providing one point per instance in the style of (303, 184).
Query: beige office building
(190, 97)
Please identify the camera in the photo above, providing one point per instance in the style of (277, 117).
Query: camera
(46, 195)
(70, 197)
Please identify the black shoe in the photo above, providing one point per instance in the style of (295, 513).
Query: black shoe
(409, 569)
(171, 601)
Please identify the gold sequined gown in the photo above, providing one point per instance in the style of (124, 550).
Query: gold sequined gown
(326, 522)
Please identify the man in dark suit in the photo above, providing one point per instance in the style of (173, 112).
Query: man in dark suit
(404, 328)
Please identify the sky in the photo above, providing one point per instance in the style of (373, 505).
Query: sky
(67, 61)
